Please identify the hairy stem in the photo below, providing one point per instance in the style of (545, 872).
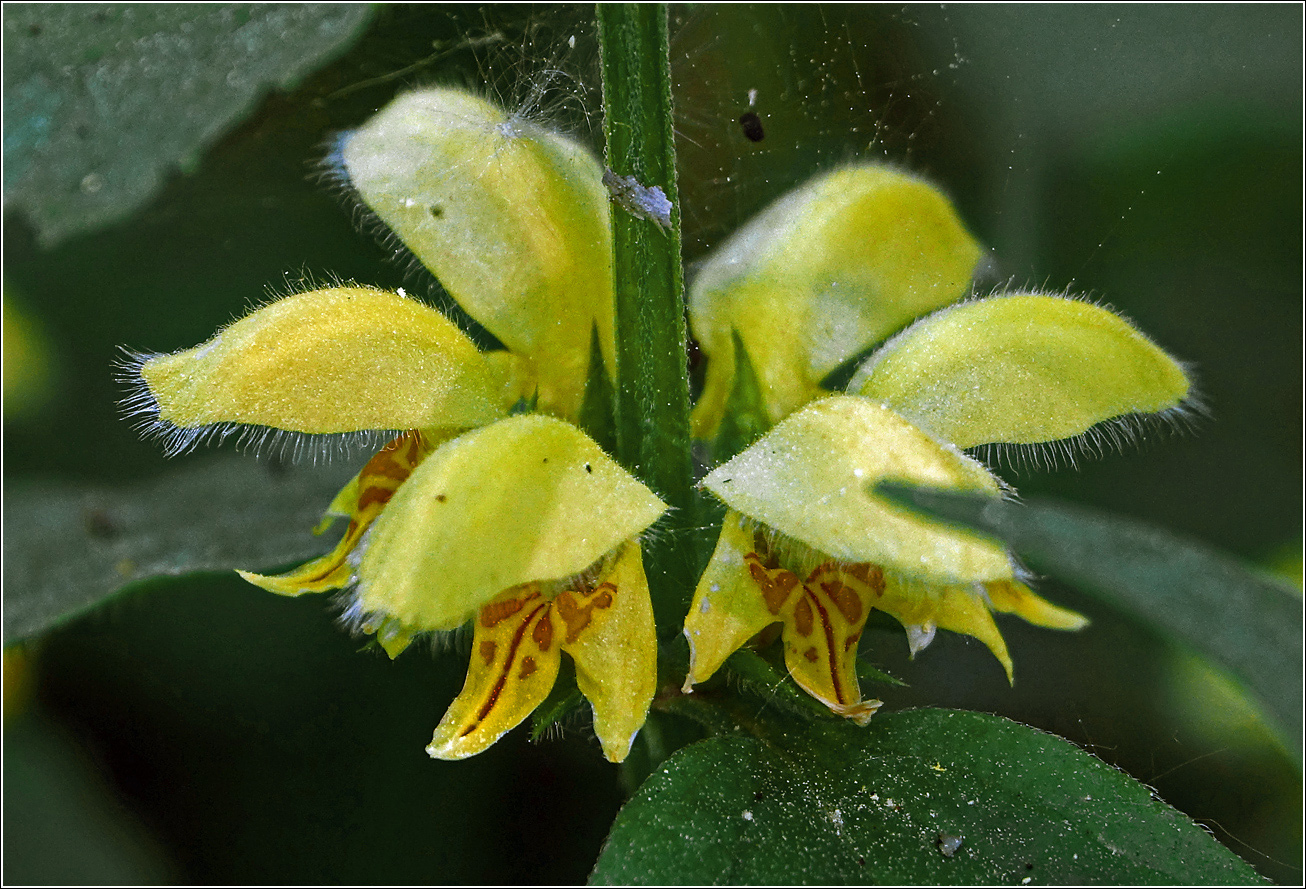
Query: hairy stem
(652, 387)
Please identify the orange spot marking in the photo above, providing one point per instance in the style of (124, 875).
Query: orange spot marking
(871, 575)
(810, 654)
(542, 635)
(803, 615)
(775, 583)
(844, 598)
(487, 649)
(495, 692)
(528, 663)
(576, 616)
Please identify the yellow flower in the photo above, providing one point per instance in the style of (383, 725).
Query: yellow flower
(808, 544)
(518, 523)
(823, 273)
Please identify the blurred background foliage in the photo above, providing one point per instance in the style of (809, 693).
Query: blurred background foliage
(200, 730)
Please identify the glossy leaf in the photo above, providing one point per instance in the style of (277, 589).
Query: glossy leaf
(68, 547)
(1246, 622)
(918, 797)
(103, 102)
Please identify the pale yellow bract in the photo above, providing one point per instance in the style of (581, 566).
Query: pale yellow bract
(527, 499)
(511, 218)
(821, 274)
(807, 478)
(1020, 369)
(340, 359)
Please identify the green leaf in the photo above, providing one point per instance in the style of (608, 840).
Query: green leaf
(596, 416)
(563, 701)
(745, 419)
(104, 101)
(1246, 622)
(66, 548)
(919, 797)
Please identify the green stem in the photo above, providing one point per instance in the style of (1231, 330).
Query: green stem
(652, 391)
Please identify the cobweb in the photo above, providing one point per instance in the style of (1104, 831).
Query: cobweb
(765, 96)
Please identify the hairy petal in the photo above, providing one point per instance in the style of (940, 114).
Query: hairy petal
(527, 499)
(608, 631)
(730, 604)
(821, 630)
(512, 218)
(362, 500)
(826, 271)
(342, 359)
(923, 608)
(810, 476)
(514, 663)
(1021, 369)
(1014, 597)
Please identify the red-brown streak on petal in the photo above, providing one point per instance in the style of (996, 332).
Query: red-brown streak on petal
(775, 583)
(829, 646)
(844, 598)
(507, 668)
(577, 617)
(851, 641)
(811, 654)
(505, 608)
(803, 614)
(487, 649)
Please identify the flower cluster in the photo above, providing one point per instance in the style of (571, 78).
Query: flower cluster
(490, 506)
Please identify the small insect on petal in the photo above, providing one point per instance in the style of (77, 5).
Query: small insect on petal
(752, 126)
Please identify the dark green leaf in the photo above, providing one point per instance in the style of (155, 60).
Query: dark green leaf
(868, 672)
(745, 419)
(563, 701)
(1244, 621)
(66, 548)
(103, 101)
(919, 797)
(597, 415)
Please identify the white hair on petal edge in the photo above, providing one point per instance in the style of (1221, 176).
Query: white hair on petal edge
(1116, 434)
(141, 409)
